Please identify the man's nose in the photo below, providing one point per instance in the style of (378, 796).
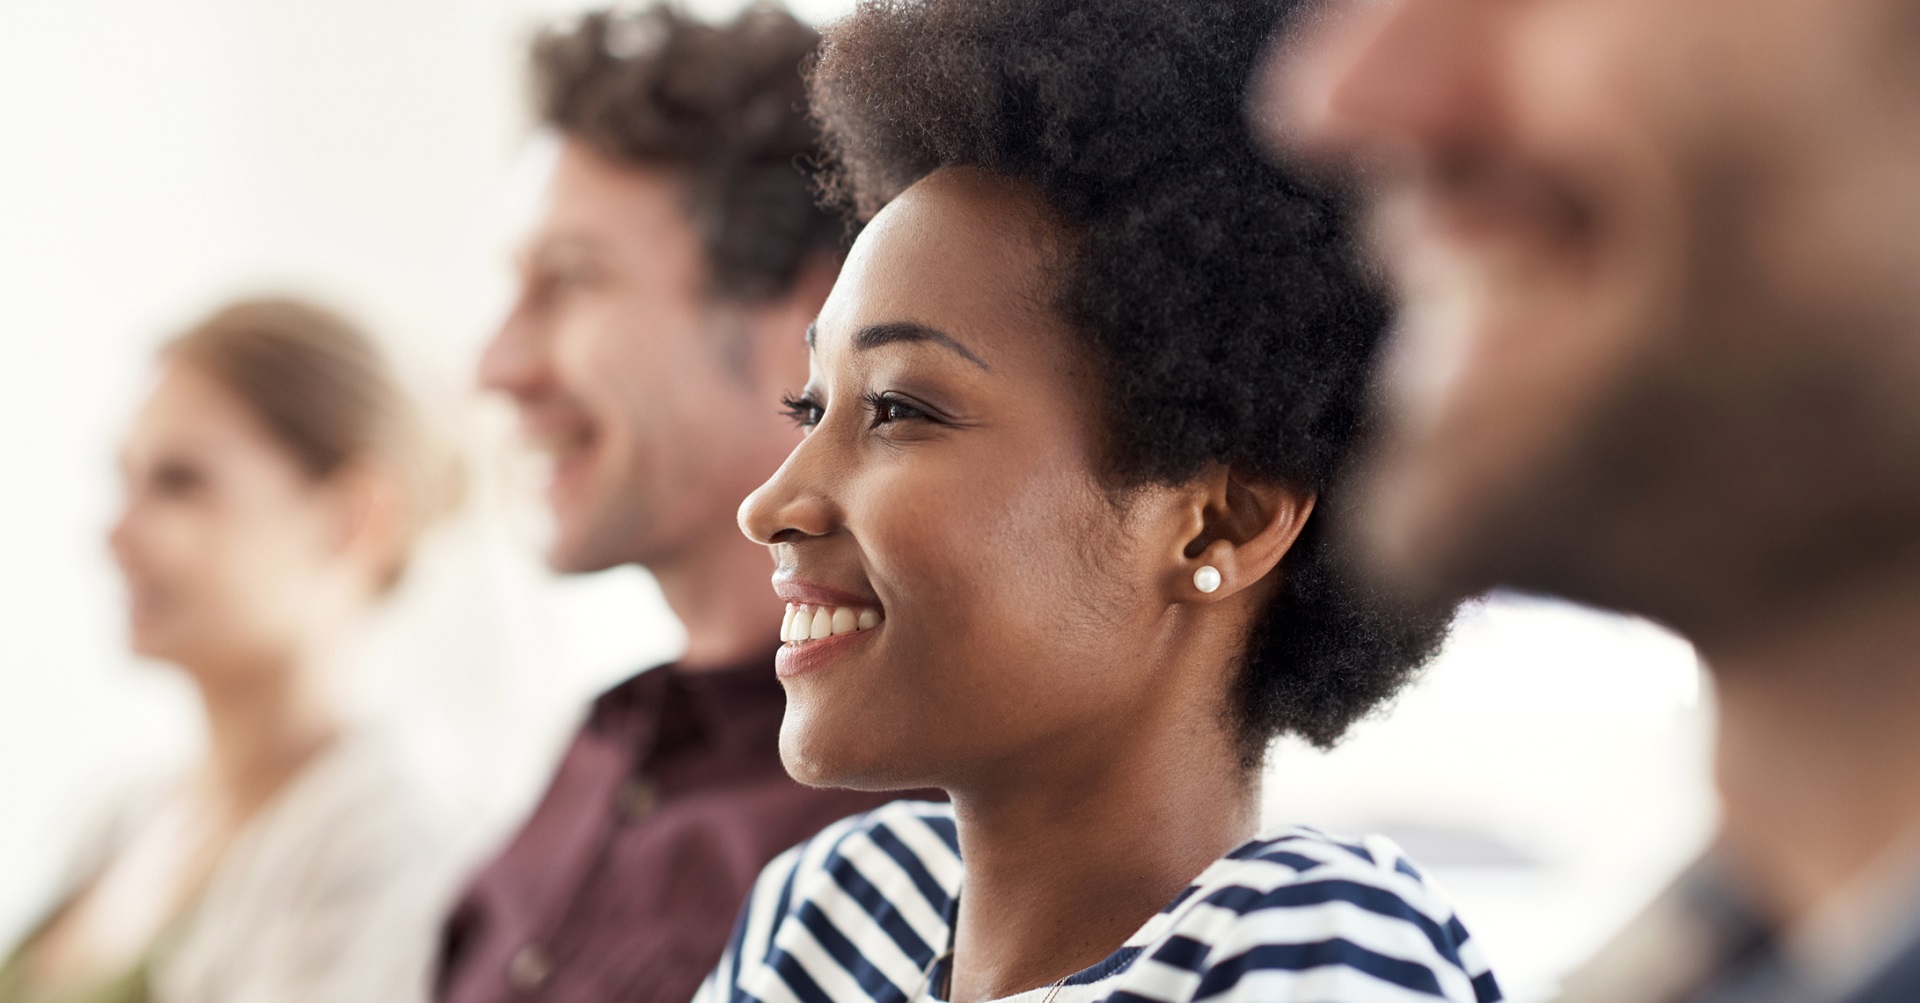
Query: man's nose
(1366, 80)
(513, 359)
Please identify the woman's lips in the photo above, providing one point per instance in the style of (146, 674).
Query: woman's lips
(799, 657)
(816, 634)
(821, 623)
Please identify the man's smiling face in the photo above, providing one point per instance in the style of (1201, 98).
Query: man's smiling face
(1657, 261)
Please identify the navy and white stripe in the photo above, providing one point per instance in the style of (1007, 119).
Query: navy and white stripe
(859, 914)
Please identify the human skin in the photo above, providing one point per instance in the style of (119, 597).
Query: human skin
(649, 395)
(245, 572)
(1657, 261)
(1042, 653)
(236, 560)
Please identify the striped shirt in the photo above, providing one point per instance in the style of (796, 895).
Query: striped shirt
(862, 913)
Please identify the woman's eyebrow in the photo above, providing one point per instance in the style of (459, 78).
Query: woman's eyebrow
(875, 335)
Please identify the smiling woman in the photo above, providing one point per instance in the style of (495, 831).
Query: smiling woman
(1055, 541)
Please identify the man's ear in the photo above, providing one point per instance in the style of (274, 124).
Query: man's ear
(780, 352)
(1241, 529)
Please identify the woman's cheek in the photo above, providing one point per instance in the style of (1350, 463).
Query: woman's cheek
(175, 562)
(1027, 590)
(178, 547)
(245, 581)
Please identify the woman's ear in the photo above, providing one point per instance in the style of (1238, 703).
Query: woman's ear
(1241, 530)
(372, 521)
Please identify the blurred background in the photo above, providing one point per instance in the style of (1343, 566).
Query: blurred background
(165, 155)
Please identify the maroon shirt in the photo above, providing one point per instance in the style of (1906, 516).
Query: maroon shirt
(624, 883)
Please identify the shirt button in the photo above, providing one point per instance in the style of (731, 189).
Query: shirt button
(639, 796)
(530, 969)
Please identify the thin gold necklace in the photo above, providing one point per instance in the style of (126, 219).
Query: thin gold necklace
(946, 989)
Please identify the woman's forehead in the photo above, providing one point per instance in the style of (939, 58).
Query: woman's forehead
(960, 252)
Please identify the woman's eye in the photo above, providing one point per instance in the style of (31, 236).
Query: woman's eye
(175, 480)
(887, 409)
(884, 408)
(803, 410)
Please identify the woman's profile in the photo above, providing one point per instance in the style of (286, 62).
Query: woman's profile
(275, 480)
(1056, 539)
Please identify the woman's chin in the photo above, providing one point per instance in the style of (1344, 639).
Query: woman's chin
(819, 761)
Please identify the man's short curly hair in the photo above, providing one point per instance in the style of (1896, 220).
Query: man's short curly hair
(724, 104)
(1222, 300)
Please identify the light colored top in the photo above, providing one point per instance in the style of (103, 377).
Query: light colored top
(332, 893)
(862, 913)
(129, 986)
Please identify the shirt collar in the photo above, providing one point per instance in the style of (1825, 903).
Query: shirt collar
(721, 707)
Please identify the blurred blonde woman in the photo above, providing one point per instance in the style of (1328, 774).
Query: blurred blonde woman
(275, 482)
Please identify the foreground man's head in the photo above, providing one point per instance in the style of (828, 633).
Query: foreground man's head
(1661, 270)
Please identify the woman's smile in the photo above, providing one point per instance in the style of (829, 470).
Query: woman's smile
(804, 623)
(800, 657)
(820, 624)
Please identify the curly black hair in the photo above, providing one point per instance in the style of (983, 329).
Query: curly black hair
(1222, 300)
(723, 103)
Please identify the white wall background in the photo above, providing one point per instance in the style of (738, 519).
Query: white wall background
(159, 155)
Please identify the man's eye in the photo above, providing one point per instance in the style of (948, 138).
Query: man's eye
(803, 410)
(544, 284)
(886, 409)
(541, 291)
(575, 277)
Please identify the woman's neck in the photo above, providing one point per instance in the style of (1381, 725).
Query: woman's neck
(1062, 870)
(264, 724)
(263, 727)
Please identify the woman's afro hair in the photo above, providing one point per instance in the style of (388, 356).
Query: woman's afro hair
(1222, 300)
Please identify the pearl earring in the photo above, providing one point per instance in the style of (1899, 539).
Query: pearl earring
(1207, 578)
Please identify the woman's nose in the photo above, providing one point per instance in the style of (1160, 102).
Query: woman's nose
(796, 501)
(120, 534)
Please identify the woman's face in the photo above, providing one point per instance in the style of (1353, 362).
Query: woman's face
(232, 553)
(946, 494)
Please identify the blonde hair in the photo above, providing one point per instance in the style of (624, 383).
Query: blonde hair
(325, 391)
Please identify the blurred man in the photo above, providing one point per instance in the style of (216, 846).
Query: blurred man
(1661, 262)
(664, 296)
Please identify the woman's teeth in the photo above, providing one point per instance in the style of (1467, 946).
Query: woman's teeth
(812, 623)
